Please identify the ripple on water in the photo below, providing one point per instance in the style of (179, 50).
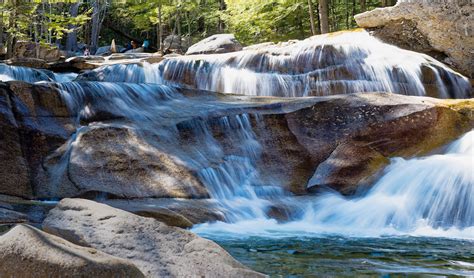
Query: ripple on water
(341, 256)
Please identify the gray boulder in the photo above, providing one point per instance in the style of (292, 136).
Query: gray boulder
(443, 29)
(220, 43)
(28, 252)
(156, 249)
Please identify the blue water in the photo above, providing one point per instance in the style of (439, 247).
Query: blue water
(345, 256)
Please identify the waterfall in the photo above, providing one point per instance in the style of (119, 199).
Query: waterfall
(223, 151)
(432, 196)
(11, 73)
(348, 62)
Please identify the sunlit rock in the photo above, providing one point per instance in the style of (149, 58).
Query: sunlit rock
(220, 43)
(444, 29)
(29, 252)
(155, 248)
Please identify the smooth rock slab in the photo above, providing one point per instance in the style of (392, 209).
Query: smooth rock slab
(219, 43)
(28, 252)
(156, 249)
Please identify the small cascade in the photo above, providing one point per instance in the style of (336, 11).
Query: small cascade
(142, 72)
(223, 151)
(12, 73)
(430, 196)
(349, 62)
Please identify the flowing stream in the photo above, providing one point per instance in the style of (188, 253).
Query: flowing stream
(414, 200)
(417, 218)
(350, 62)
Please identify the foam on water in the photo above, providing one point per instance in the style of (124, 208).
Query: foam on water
(350, 62)
(429, 196)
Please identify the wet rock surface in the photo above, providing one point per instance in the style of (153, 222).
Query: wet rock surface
(155, 248)
(297, 138)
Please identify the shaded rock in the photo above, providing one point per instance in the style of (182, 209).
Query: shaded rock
(119, 161)
(28, 252)
(442, 28)
(103, 51)
(35, 121)
(174, 212)
(10, 216)
(155, 248)
(348, 167)
(136, 50)
(13, 169)
(220, 43)
(28, 62)
(27, 49)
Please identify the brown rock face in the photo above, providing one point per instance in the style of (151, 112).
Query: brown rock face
(348, 167)
(340, 140)
(155, 248)
(28, 252)
(26, 49)
(36, 123)
(385, 126)
(14, 171)
(444, 29)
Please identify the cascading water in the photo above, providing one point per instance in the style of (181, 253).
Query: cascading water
(430, 196)
(230, 176)
(350, 62)
(433, 194)
(11, 73)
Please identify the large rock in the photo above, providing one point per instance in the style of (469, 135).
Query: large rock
(348, 167)
(155, 248)
(133, 152)
(28, 252)
(121, 162)
(26, 49)
(14, 169)
(373, 127)
(220, 43)
(34, 121)
(444, 29)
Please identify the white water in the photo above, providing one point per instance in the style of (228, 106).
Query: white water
(225, 165)
(428, 196)
(11, 73)
(431, 196)
(350, 62)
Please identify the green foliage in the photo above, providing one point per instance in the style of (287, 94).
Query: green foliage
(252, 21)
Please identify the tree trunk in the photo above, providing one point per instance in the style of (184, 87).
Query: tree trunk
(362, 5)
(98, 15)
(222, 7)
(160, 29)
(1, 30)
(71, 43)
(324, 15)
(311, 17)
(11, 25)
